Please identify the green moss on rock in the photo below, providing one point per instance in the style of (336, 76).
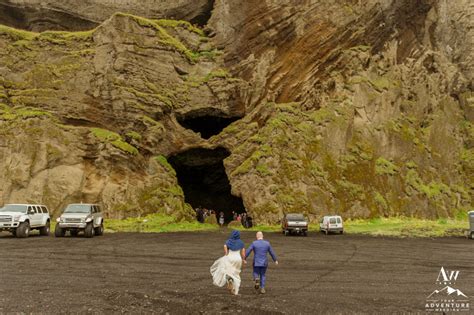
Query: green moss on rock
(164, 162)
(385, 167)
(165, 38)
(115, 139)
(182, 24)
(7, 113)
(134, 135)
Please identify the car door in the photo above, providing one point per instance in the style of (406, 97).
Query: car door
(35, 217)
(339, 222)
(99, 215)
(45, 215)
(94, 215)
(332, 223)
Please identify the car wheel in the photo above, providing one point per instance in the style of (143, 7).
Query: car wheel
(73, 232)
(305, 233)
(59, 232)
(89, 230)
(342, 232)
(99, 230)
(23, 230)
(44, 231)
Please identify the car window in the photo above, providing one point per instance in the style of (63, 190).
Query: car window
(78, 208)
(99, 209)
(338, 220)
(14, 208)
(31, 209)
(45, 210)
(296, 217)
(332, 220)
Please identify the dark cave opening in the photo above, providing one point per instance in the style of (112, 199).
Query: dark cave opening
(205, 15)
(201, 175)
(39, 20)
(206, 125)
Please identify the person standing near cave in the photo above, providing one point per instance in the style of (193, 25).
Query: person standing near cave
(244, 220)
(260, 247)
(200, 215)
(221, 219)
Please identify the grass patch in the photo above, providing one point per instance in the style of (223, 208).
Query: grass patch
(156, 223)
(262, 228)
(394, 227)
(407, 227)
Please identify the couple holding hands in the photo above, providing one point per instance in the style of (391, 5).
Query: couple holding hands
(226, 270)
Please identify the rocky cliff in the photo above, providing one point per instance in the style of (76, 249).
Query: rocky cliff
(360, 108)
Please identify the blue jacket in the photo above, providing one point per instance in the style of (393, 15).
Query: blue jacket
(260, 249)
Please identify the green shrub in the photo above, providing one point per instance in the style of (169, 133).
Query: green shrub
(234, 225)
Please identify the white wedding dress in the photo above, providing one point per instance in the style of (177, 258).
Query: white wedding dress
(227, 267)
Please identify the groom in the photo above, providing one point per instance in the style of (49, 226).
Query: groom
(260, 247)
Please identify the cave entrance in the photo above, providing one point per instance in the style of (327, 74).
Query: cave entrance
(202, 176)
(204, 15)
(206, 125)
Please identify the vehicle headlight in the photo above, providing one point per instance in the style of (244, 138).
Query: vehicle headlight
(88, 219)
(16, 218)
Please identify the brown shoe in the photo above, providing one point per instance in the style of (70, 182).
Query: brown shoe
(230, 284)
(257, 284)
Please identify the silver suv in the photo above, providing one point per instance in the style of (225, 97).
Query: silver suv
(80, 217)
(20, 219)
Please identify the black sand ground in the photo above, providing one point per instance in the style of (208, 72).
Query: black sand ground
(160, 273)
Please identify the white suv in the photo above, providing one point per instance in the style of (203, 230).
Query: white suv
(80, 217)
(20, 219)
(331, 223)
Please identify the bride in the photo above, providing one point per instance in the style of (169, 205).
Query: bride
(226, 270)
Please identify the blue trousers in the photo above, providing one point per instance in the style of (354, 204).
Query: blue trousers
(259, 273)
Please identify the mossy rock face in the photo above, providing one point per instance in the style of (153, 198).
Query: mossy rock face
(115, 126)
(361, 129)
